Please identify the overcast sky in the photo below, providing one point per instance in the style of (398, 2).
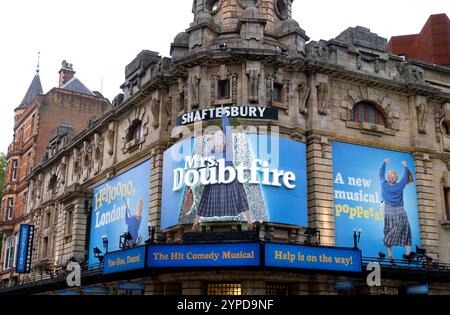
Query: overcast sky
(100, 37)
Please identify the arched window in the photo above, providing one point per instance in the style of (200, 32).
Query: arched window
(367, 112)
(135, 131)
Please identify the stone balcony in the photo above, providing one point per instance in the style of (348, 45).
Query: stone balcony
(15, 148)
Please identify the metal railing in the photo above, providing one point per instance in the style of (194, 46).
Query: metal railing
(36, 278)
(410, 264)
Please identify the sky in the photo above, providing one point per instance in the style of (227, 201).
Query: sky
(100, 37)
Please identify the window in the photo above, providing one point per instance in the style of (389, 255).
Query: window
(8, 261)
(10, 209)
(15, 168)
(32, 125)
(281, 9)
(366, 112)
(135, 131)
(47, 219)
(278, 92)
(52, 183)
(223, 289)
(277, 289)
(213, 5)
(447, 202)
(172, 288)
(20, 135)
(445, 129)
(223, 89)
(45, 247)
(69, 222)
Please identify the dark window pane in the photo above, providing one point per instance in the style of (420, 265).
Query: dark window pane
(277, 92)
(365, 112)
(277, 289)
(224, 89)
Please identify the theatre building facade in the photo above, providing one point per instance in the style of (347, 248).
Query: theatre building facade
(253, 161)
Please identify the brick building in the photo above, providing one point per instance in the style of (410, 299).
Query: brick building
(322, 96)
(36, 119)
(432, 44)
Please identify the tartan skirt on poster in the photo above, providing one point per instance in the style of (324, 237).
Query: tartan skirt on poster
(220, 200)
(397, 230)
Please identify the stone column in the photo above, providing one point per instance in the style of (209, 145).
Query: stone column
(320, 187)
(156, 177)
(426, 190)
(79, 232)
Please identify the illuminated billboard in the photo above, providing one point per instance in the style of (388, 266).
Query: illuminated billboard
(121, 206)
(234, 176)
(375, 194)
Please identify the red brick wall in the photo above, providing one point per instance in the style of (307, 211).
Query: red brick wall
(58, 106)
(61, 106)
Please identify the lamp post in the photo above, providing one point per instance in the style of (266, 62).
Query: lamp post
(356, 237)
(105, 243)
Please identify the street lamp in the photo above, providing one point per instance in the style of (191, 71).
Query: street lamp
(356, 237)
(151, 234)
(105, 243)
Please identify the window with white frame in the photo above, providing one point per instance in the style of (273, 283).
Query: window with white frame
(8, 261)
(15, 169)
(10, 209)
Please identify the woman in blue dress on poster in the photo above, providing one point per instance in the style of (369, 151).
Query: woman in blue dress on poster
(397, 230)
(220, 200)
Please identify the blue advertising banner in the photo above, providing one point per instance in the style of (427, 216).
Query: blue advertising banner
(204, 255)
(261, 179)
(24, 250)
(309, 257)
(124, 260)
(375, 193)
(131, 286)
(96, 290)
(419, 289)
(119, 206)
(343, 285)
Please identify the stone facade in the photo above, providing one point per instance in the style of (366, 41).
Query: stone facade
(263, 53)
(43, 125)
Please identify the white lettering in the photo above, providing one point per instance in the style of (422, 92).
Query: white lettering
(211, 171)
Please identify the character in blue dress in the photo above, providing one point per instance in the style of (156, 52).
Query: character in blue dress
(397, 230)
(220, 200)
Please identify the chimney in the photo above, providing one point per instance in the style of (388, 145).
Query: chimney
(66, 73)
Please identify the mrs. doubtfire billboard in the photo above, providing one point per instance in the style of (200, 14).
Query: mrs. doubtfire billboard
(375, 192)
(121, 205)
(234, 176)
